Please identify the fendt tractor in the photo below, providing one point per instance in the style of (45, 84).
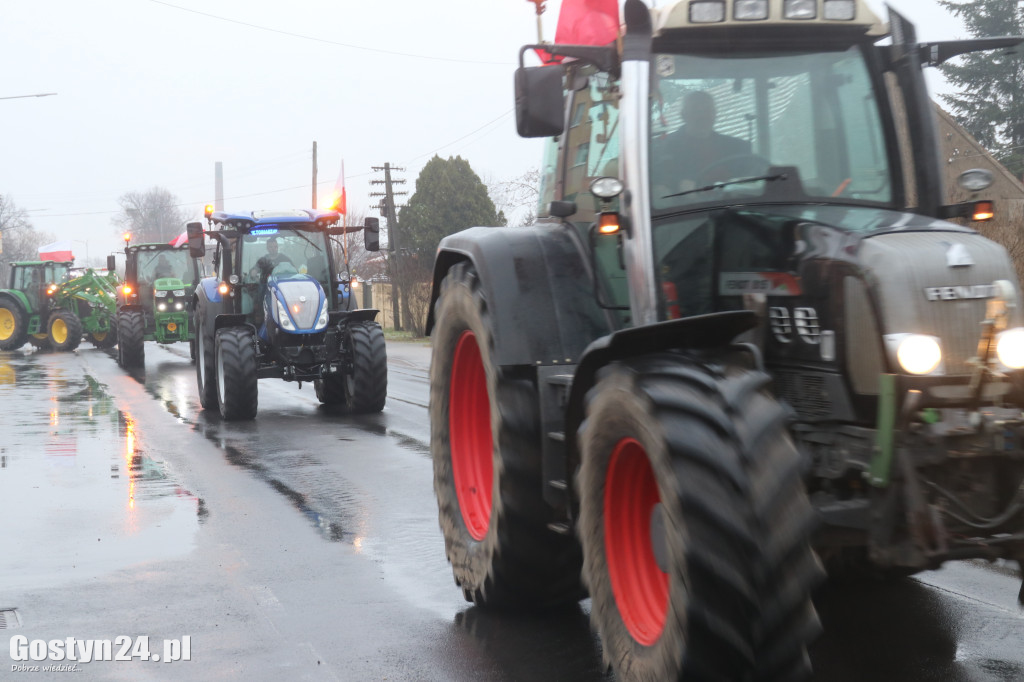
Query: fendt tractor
(741, 331)
(52, 310)
(278, 307)
(158, 283)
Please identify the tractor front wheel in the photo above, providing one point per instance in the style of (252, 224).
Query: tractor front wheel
(131, 339)
(695, 524)
(236, 377)
(64, 330)
(368, 388)
(486, 445)
(13, 325)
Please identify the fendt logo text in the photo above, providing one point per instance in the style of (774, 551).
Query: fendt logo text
(959, 293)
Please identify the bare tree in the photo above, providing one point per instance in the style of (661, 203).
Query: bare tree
(517, 198)
(151, 216)
(20, 241)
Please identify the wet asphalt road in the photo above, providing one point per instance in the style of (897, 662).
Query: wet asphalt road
(305, 545)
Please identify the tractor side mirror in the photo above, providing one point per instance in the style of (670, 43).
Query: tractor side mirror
(371, 234)
(196, 240)
(111, 263)
(539, 101)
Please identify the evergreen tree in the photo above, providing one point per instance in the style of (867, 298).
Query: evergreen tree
(990, 98)
(449, 197)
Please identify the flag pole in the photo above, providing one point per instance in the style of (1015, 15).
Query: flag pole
(540, 27)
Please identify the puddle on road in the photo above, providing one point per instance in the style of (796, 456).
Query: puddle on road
(80, 495)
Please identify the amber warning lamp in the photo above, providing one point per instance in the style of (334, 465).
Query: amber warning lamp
(608, 223)
(208, 210)
(983, 210)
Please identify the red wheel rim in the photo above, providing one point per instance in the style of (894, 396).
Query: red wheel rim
(469, 427)
(639, 586)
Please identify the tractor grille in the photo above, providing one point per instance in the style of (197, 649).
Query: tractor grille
(805, 392)
(920, 289)
(304, 312)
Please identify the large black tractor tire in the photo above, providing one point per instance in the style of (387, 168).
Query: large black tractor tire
(236, 377)
(695, 524)
(131, 339)
(486, 446)
(13, 325)
(105, 339)
(368, 389)
(40, 341)
(331, 389)
(205, 365)
(64, 330)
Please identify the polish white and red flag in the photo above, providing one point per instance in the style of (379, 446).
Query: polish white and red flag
(58, 251)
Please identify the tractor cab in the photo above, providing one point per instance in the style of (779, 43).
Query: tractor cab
(39, 280)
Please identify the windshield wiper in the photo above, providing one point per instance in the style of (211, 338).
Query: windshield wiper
(719, 185)
(299, 234)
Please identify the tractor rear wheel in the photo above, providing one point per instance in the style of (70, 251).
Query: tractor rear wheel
(695, 524)
(486, 446)
(236, 376)
(105, 339)
(40, 341)
(205, 365)
(131, 339)
(330, 390)
(13, 325)
(368, 388)
(64, 330)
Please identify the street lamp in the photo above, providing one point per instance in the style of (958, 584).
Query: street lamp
(41, 94)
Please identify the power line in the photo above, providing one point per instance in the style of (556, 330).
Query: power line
(328, 42)
(417, 158)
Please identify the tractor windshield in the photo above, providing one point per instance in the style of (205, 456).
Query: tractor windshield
(747, 127)
(281, 251)
(158, 264)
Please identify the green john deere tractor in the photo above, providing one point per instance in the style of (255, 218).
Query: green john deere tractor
(50, 310)
(158, 283)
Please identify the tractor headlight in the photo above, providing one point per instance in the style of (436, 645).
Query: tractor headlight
(749, 10)
(1010, 348)
(178, 306)
(161, 307)
(321, 321)
(160, 294)
(800, 9)
(707, 11)
(179, 293)
(916, 353)
(282, 317)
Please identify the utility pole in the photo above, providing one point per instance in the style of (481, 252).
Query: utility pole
(314, 173)
(390, 213)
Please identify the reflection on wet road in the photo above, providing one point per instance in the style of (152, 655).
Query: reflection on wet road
(86, 495)
(304, 544)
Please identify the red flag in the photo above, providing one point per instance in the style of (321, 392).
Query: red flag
(585, 22)
(342, 202)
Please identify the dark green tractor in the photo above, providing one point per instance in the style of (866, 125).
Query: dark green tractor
(158, 283)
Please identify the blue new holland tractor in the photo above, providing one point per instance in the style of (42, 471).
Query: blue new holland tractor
(275, 308)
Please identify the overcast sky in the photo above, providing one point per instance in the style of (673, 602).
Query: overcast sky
(153, 93)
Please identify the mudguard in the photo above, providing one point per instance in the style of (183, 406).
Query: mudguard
(19, 298)
(548, 314)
